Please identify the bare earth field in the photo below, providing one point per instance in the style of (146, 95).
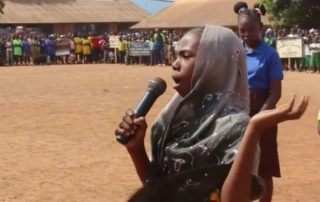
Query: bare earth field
(57, 141)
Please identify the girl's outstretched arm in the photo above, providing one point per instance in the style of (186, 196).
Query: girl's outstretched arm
(237, 186)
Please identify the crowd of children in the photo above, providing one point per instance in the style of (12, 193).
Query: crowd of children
(310, 61)
(20, 49)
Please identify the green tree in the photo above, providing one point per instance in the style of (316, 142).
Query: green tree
(305, 13)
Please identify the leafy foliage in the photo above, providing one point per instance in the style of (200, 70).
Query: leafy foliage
(304, 13)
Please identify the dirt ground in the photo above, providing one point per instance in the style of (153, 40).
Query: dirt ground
(57, 133)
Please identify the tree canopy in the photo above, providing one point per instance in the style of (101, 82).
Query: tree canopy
(304, 13)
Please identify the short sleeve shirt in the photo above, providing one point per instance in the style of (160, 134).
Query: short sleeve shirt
(264, 65)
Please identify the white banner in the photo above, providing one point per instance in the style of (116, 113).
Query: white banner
(62, 47)
(114, 41)
(290, 48)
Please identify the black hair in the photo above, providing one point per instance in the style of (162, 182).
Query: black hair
(241, 9)
(240, 6)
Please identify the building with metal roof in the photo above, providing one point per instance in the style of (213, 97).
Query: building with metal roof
(153, 6)
(62, 16)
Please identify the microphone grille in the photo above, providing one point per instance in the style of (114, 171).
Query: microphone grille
(158, 85)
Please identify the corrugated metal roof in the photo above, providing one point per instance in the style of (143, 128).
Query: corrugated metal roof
(195, 13)
(71, 11)
(152, 6)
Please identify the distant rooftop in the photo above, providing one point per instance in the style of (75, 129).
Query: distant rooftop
(70, 11)
(152, 6)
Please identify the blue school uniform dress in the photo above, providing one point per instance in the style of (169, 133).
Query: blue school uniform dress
(264, 65)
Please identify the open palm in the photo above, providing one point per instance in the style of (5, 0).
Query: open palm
(269, 118)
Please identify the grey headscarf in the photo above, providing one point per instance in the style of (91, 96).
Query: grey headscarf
(205, 127)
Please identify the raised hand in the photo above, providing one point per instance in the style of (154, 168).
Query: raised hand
(269, 118)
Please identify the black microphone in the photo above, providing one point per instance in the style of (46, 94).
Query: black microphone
(156, 87)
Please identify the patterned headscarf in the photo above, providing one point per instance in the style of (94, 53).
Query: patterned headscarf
(195, 138)
(205, 127)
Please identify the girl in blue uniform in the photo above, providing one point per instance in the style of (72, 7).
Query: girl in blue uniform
(264, 78)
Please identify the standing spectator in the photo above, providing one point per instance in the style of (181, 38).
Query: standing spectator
(122, 50)
(72, 55)
(90, 36)
(145, 60)
(95, 48)
(306, 59)
(35, 50)
(78, 42)
(284, 61)
(170, 52)
(294, 63)
(111, 57)
(315, 55)
(152, 51)
(165, 51)
(159, 40)
(17, 50)
(86, 49)
(264, 79)
(9, 54)
(26, 51)
(104, 48)
(268, 38)
(50, 49)
(2, 52)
